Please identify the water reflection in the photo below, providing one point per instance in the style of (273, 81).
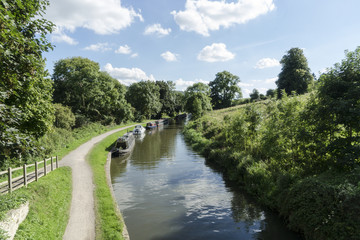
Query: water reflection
(165, 191)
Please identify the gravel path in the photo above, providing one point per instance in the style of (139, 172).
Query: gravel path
(81, 223)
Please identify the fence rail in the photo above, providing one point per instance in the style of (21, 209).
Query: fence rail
(41, 168)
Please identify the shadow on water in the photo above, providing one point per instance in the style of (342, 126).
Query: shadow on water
(165, 191)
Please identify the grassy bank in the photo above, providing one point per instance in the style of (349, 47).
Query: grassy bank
(58, 142)
(109, 224)
(269, 148)
(49, 205)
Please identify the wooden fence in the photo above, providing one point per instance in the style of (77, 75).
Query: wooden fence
(40, 168)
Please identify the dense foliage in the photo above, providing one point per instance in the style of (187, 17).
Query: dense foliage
(197, 100)
(298, 155)
(93, 95)
(167, 98)
(26, 112)
(144, 96)
(295, 73)
(224, 89)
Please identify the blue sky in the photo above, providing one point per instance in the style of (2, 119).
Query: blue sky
(188, 41)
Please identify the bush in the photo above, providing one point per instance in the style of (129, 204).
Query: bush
(322, 208)
(64, 118)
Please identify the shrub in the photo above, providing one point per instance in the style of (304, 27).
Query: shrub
(64, 118)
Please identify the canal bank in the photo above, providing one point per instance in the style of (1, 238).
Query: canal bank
(166, 191)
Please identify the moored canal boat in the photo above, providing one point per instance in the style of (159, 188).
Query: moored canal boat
(124, 144)
(138, 130)
(151, 125)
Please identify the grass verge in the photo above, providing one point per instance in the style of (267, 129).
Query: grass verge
(109, 224)
(49, 207)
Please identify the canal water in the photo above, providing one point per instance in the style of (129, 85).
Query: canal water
(166, 191)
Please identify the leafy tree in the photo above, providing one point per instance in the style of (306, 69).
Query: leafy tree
(93, 94)
(295, 73)
(339, 108)
(179, 101)
(255, 95)
(167, 97)
(270, 93)
(197, 99)
(224, 89)
(26, 110)
(144, 96)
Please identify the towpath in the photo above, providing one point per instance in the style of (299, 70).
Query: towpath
(81, 223)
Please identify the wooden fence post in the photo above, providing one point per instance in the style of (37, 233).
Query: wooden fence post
(44, 166)
(36, 171)
(10, 179)
(57, 164)
(25, 175)
(52, 164)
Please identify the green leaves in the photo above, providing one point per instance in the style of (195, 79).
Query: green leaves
(144, 96)
(198, 101)
(224, 89)
(92, 95)
(295, 74)
(28, 110)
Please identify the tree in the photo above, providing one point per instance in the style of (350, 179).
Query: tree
(197, 99)
(144, 96)
(338, 109)
(270, 93)
(255, 95)
(92, 94)
(224, 89)
(26, 110)
(167, 97)
(179, 101)
(295, 74)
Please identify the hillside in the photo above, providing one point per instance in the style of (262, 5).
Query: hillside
(275, 150)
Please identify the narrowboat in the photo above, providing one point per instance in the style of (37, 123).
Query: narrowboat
(151, 125)
(124, 144)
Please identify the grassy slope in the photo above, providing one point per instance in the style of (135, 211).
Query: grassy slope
(50, 199)
(321, 206)
(108, 221)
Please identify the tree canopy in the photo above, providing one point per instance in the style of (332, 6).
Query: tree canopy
(79, 83)
(197, 99)
(144, 96)
(295, 73)
(339, 108)
(224, 89)
(26, 111)
(167, 97)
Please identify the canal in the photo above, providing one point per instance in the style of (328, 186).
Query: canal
(166, 191)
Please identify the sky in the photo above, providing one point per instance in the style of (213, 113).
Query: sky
(189, 41)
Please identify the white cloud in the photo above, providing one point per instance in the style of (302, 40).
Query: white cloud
(134, 55)
(99, 47)
(169, 56)
(59, 36)
(202, 16)
(267, 63)
(127, 76)
(217, 52)
(123, 50)
(241, 84)
(246, 92)
(181, 84)
(158, 30)
(102, 17)
(271, 80)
